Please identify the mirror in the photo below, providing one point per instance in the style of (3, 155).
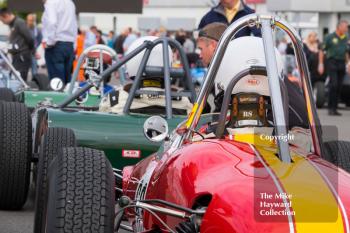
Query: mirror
(156, 129)
(56, 84)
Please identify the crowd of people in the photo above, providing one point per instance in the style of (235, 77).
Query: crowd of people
(64, 42)
(329, 58)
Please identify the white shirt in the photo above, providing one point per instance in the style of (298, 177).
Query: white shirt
(90, 39)
(59, 22)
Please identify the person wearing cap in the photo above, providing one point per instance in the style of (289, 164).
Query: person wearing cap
(227, 12)
(21, 42)
(208, 39)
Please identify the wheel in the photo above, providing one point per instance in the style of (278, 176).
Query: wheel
(53, 140)
(15, 154)
(7, 95)
(319, 94)
(339, 152)
(42, 81)
(81, 192)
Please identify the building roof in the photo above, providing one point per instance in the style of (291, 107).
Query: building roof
(100, 6)
(180, 3)
(325, 6)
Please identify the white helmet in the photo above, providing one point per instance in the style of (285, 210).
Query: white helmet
(251, 100)
(155, 59)
(241, 54)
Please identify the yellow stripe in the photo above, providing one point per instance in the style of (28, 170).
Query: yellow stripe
(316, 209)
(191, 116)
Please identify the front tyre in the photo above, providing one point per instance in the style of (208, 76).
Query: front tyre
(81, 192)
(53, 140)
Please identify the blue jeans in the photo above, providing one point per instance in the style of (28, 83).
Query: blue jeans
(59, 60)
(34, 66)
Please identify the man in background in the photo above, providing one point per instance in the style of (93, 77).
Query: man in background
(129, 39)
(90, 37)
(207, 42)
(59, 34)
(227, 12)
(118, 43)
(208, 39)
(21, 42)
(336, 47)
(37, 36)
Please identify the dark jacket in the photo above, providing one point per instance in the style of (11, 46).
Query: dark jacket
(21, 38)
(217, 14)
(118, 44)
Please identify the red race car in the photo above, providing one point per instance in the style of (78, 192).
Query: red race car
(258, 164)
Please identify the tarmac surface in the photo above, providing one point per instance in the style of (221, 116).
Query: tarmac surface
(22, 221)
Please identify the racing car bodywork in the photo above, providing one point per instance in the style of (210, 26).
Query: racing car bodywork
(120, 136)
(235, 182)
(115, 126)
(241, 181)
(260, 165)
(117, 129)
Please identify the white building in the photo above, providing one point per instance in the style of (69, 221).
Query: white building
(171, 14)
(326, 13)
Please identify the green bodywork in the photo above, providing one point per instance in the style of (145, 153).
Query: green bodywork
(109, 132)
(32, 98)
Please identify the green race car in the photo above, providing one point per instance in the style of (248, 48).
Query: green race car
(115, 126)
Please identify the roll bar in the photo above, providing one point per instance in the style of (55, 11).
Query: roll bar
(266, 23)
(166, 64)
(167, 72)
(101, 48)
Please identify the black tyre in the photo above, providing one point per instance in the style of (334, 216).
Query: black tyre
(7, 95)
(15, 154)
(319, 94)
(81, 192)
(53, 140)
(339, 152)
(42, 81)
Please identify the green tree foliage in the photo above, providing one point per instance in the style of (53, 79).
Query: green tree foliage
(3, 3)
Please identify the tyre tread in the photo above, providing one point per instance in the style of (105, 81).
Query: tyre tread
(53, 140)
(85, 192)
(15, 154)
(340, 153)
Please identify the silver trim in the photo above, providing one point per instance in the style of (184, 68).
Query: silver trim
(163, 210)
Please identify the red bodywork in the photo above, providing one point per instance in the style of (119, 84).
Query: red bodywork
(230, 173)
